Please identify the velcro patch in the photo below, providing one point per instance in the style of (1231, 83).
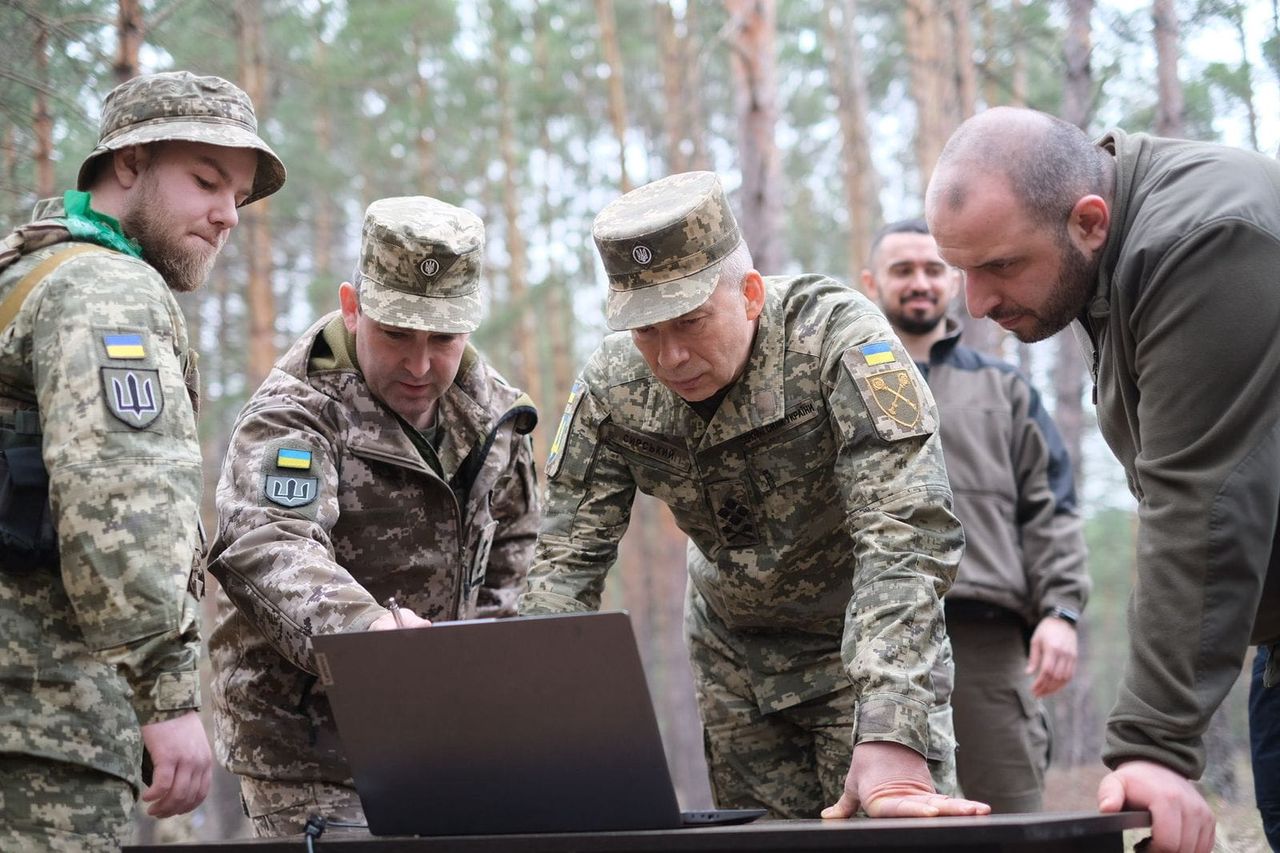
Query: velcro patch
(290, 476)
(890, 388)
(556, 456)
(291, 491)
(126, 346)
(287, 457)
(133, 395)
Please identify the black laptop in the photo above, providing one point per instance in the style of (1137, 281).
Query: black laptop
(538, 724)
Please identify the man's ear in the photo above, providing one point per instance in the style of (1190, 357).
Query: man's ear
(753, 293)
(349, 300)
(1089, 223)
(869, 285)
(129, 163)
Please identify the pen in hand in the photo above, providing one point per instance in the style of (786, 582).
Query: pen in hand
(394, 607)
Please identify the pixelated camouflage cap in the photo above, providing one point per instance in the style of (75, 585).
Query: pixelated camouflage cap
(420, 263)
(662, 246)
(179, 105)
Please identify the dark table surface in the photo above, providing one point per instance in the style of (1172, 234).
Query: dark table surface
(1044, 833)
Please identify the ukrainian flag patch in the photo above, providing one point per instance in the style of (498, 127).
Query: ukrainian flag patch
(300, 459)
(878, 353)
(124, 346)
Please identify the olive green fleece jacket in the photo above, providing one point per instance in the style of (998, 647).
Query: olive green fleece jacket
(1182, 335)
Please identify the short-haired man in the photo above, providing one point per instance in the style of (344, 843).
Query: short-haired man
(793, 440)
(1164, 253)
(100, 473)
(381, 458)
(1023, 570)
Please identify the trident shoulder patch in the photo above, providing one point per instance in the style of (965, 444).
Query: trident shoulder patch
(286, 477)
(556, 456)
(133, 395)
(890, 388)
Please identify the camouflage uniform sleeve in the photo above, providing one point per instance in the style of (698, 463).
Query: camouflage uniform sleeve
(907, 541)
(123, 456)
(589, 497)
(517, 507)
(274, 555)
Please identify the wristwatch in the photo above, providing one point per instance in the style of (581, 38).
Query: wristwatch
(1066, 614)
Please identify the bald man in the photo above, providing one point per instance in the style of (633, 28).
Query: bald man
(1164, 256)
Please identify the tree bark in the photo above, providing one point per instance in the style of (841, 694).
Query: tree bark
(927, 83)
(129, 34)
(966, 73)
(694, 110)
(41, 118)
(424, 140)
(259, 298)
(1077, 93)
(753, 31)
(1170, 112)
(673, 85)
(861, 183)
(526, 374)
(617, 93)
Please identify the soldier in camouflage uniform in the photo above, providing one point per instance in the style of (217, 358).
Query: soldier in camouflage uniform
(792, 438)
(382, 457)
(100, 474)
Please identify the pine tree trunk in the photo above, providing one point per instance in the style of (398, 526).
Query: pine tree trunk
(1077, 94)
(927, 82)
(617, 93)
(259, 297)
(966, 73)
(753, 26)
(424, 139)
(526, 374)
(41, 118)
(673, 115)
(129, 33)
(861, 183)
(1170, 113)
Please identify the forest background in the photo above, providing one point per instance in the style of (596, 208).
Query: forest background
(823, 116)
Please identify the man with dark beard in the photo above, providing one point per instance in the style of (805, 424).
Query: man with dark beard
(100, 550)
(1165, 255)
(1023, 569)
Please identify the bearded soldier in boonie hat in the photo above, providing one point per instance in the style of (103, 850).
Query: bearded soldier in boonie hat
(178, 105)
(101, 558)
(420, 263)
(662, 246)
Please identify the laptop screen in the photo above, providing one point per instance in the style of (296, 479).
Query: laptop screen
(537, 724)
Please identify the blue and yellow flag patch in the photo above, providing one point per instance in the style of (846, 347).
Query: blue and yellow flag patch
(300, 459)
(878, 353)
(124, 346)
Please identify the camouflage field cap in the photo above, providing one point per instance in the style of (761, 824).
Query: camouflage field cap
(420, 262)
(180, 105)
(662, 246)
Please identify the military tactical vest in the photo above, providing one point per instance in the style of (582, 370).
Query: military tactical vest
(28, 539)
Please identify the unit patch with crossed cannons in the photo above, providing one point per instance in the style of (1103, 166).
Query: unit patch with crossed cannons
(890, 388)
(288, 479)
(130, 382)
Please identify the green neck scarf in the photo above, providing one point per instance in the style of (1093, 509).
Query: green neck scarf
(89, 225)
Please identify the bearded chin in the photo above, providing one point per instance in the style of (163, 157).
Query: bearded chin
(912, 326)
(183, 271)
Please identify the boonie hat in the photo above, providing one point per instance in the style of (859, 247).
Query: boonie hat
(420, 264)
(662, 246)
(178, 105)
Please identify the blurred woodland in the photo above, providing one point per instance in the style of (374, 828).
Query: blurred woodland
(823, 116)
